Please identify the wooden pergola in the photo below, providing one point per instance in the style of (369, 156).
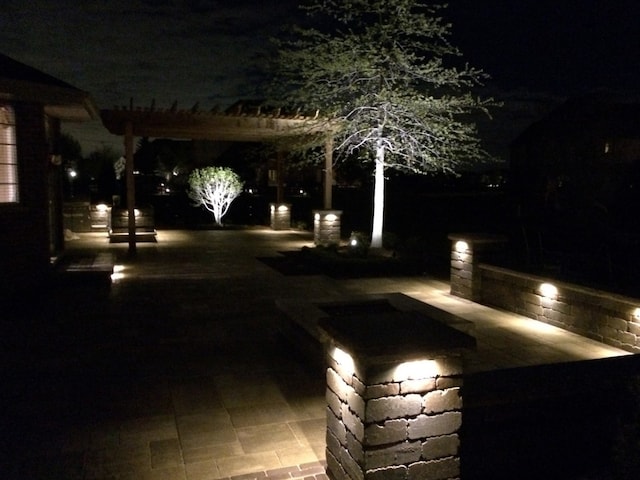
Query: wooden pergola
(234, 126)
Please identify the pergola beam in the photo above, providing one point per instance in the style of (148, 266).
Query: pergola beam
(214, 126)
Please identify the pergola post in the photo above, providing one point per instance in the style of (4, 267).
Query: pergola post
(131, 188)
(328, 172)
(280, 177)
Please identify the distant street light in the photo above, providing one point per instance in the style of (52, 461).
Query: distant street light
(72, 175)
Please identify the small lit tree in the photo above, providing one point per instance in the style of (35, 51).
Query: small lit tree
(214, 188)
(385, 72)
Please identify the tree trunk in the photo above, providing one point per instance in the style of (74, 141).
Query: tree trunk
(378, 200)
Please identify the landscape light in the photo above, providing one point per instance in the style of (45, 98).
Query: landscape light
(282, 208)
(331, 217)
(417, 369)
(343, 359)
(636, 313)
(101, 207)
(548, 290)
(316, 217)
(461, 246)
(117, 273)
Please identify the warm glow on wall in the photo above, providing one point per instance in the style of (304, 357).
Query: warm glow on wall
(343, 358)
(548, 290)
(415, 370)
(118, 273)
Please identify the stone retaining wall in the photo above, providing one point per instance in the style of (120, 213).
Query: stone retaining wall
(602, 316)
(606, 317)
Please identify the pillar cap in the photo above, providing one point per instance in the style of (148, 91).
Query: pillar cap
(392, 336)
(477, 238)
(327, 212)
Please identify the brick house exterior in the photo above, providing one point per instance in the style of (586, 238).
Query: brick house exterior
(32, 107)
(586, 150)
(575, 176)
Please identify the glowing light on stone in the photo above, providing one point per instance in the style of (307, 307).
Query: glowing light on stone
(416, 370)
(461, 246)
(548, 290)
(343, 358)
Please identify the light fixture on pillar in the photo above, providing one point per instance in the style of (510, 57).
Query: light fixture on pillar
(416, 370)
(548, 290)
(343, 358)
(461, 246)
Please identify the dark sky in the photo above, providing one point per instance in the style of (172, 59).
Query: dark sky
(563, 47)
(207, 50)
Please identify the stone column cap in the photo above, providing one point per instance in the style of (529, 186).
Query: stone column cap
(327, 211)
(478, 237)
(394, 336)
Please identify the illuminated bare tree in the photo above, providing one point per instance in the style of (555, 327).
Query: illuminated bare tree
(377, 68)
(214, 188)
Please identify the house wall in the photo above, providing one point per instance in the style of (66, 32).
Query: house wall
(24, 232)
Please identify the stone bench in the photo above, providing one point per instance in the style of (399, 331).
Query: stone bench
(299, 324)
(145, 225)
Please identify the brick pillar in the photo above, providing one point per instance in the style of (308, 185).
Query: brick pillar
(467, 252)
(326, 227)
(280, 216)
(394, 397)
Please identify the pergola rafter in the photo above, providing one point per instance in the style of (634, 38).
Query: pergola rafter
(235, 125)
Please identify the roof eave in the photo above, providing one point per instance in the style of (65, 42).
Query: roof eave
(68, 104)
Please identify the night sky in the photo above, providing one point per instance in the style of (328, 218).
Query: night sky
(209, 51)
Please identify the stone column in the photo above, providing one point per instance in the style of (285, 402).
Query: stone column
(280, 216)
(467, 252)
(394, 397)
(326, 227)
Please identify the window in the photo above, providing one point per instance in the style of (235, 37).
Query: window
(8, 156)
